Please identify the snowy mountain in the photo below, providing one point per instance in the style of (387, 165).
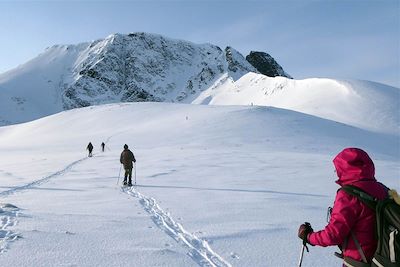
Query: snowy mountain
(121, 68)
(217, 185)
(148, 67)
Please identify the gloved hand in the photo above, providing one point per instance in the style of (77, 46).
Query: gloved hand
(304, 230)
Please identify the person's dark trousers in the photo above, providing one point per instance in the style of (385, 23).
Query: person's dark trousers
(128, 173)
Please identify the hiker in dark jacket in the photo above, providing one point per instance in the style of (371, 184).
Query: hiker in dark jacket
(126, 159)
(350, 216)
(102, 146)
(90, 148)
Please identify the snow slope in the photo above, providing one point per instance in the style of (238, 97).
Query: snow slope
(217, 185)
(363, 104)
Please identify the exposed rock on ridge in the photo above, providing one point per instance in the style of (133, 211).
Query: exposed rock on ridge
(266, 64)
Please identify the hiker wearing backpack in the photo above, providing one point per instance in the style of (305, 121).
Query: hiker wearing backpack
(126, 159)
(90, 148)
(352, 225)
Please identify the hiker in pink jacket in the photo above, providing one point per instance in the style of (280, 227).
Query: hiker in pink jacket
(350, 217)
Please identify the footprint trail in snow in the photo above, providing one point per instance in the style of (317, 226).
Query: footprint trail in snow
(9, 212)
(199, 250)
(40, 181)
(8, 218)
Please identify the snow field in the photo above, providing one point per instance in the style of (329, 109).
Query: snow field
(217, 186)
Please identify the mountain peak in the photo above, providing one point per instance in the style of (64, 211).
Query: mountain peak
(237, 64)
(131, 67)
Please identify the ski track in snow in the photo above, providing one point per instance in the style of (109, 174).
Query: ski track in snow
(40, 181)
(8, 218)
(9, 212)
(199, 250)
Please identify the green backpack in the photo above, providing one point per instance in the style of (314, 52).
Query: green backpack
(387, 211)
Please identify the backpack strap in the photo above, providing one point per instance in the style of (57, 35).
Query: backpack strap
(359, 248)
(363, 196)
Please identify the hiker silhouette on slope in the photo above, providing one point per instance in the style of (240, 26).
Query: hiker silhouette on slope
(126, 159)
(90, 148)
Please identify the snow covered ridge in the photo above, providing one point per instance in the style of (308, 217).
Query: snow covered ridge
(363, 104)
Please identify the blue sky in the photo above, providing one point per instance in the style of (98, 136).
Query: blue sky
(355, 39)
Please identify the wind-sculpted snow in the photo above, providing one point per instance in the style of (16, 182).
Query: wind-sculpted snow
(199, 250)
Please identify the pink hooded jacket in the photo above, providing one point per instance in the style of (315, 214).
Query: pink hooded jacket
(353, 167)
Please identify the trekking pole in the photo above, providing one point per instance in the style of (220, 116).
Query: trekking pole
(301, 255)
(135, 173)
(119, 173)
(304, 246)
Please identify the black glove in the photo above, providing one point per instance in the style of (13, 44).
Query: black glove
(304, 230)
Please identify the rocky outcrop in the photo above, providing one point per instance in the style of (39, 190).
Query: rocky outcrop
(266, 64)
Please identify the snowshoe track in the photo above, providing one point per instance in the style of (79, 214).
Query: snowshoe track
(199, 250)
(9, 212)
(8, 218)
(40, 181)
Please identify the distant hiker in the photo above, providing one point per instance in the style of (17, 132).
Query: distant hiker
(90, 148)
(102, 146)
(352, 223)
(126, 159)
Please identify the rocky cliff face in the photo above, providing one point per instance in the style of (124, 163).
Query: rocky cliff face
(148, 67)
(266, 64)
